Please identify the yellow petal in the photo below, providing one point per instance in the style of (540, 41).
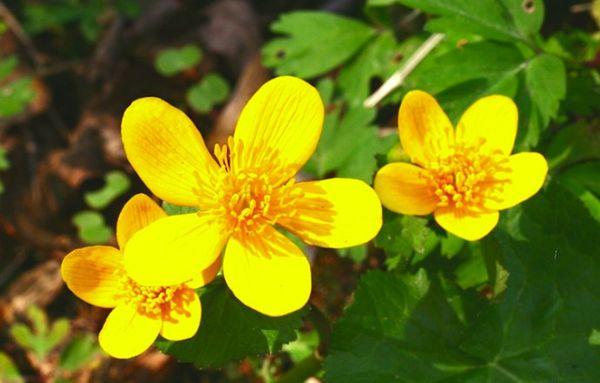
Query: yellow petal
(91, 274)
(270, 275)
(491, 120)
(183, 324)
(126, 333)
(207, 275)
(166, 150)
(280, 126)
(403, 188)
(174, 249)
(138, 212)
(425, 130)
(525, 178)
(337, 212)
(467, 225)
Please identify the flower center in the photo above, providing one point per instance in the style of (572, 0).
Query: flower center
(155, 301)
(250, 191)
(465, 176)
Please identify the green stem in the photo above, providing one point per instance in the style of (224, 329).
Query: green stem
(303, 370)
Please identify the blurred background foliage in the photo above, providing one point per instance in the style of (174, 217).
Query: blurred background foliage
(521, 305)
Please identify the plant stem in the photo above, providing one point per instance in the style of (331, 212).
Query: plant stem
(400, 75)
(303, 370)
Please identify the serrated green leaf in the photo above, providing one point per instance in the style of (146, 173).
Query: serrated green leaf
(211, 91)
(304, 346)
(78, 353)
(348, 145)
(171, 61)
(9, 373)
(461, 76)
(231, 331)
(116, 183)
(316, 43)
(91, 227)
(378, 60)
(537, 330)
(545, 78)
(405, 239)
(506, 20)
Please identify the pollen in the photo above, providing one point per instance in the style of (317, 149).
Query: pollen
(464, 176)
(155, 301)
(250, 197)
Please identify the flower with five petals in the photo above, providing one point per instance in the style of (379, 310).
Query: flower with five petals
(139, 313)
(463, 176)
(243, 196)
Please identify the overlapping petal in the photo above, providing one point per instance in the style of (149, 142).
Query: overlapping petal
(425, 129)
(184, 324)
(280, 125)
(269, 274)
(403, 188)
(91, 273)
(166, 150)
(466, 224)
(336, 213)
(526, 175)
(137, 213)
(174, 249)
(126, 333)
(491, 119)
(207, 275)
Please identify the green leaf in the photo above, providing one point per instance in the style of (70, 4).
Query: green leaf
(545, 78)
(461, 76)
(583, 182)
(91, 227)
(231, 331)
(15, 96)
(316, 43)
(211, 91)
(59, 331)
(4, 163)
(348, 145)
(506, 20)
(116, 183)
(78, 353)
(573, 143)
(304, 346)
(405, 240)
(22, 335)
(9, 373)
(38, 319)
(7, 66)
(174, 60)
(407, 328)
(378, 60)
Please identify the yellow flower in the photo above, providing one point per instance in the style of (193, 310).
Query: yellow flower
(96, 275)
(242, 195)
(465, 176)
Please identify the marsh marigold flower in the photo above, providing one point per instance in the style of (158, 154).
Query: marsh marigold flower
(463, 176)
(140, 313)
(242, 197)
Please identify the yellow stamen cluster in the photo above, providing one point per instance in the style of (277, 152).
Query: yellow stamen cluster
(155, 301)
(249, 197)
(464, 176)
